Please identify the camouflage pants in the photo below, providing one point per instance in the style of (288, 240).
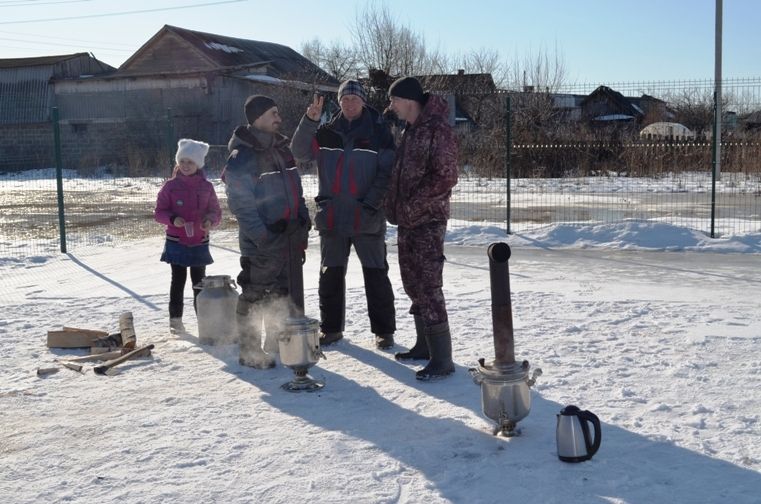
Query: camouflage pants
(421, 263)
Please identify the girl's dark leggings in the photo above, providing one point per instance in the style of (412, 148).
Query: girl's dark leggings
(177, 288)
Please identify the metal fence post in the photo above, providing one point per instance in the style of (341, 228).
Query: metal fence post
(59, 178)
(508, 145)
(716, 157)
(170, 139)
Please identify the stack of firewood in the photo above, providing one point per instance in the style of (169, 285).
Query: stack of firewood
(110, 349)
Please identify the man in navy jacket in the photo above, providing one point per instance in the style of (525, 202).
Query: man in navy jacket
(354, 153)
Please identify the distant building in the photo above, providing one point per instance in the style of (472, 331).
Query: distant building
(26, 97)
(199, 80)
(180, 83)
(471, 97)
(605, 107)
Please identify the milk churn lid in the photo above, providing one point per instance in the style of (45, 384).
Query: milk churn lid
(216, 281)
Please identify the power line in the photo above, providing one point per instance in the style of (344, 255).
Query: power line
(64, 38)
(36, 50)
(120, 13)
(63, 44)
(7, 4)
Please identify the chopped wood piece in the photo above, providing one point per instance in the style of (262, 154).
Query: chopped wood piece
(127, 330)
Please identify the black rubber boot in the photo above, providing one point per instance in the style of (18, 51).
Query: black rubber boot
(420, 350)
(440, 345)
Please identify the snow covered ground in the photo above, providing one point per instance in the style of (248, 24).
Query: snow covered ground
(654, 328)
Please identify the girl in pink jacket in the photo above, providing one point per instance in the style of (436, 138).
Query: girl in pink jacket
(188, 206)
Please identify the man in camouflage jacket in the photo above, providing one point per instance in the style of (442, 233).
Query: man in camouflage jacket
(424, 172)
(264, 193)
(354, 152)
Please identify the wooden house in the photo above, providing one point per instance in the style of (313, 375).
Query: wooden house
(26, 98)
(472, 98)
(182, 83)
(607, 107)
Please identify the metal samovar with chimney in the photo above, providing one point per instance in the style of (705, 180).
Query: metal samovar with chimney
(300, 342)
(505, 383)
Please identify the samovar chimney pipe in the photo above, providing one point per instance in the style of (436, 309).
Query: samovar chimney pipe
(296, 275)
(501, 307)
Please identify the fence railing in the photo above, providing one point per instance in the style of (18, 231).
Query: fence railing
(522, 168)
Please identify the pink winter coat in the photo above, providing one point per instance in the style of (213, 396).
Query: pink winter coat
(193, 198)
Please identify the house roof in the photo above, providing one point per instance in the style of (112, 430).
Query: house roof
(38, 61)
(624, 106)
(754, 118)
(459, 83)
(222, 52)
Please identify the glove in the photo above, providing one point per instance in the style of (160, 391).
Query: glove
(282, 226)
(277, 227)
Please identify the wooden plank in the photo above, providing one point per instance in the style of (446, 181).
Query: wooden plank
(98, 333)
(73, 338)
(104, 356)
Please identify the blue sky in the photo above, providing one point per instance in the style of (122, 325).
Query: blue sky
(599, 40)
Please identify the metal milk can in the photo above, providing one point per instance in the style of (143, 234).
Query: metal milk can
(216, 305)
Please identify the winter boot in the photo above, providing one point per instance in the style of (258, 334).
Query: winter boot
(384, 341)
(439, 342)
(272, 336)
(420, 350)
(250, 342)
(276, 308)
(176, 326)
(328, 338)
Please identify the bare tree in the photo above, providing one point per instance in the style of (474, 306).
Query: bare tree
(694, 109)
(484, 61)
(542, 71)
(337, 59)
(382, 42)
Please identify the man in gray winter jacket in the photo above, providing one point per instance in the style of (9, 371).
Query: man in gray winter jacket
(354, 153)
(264, 193)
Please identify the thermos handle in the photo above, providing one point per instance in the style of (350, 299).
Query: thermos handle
(593, 446)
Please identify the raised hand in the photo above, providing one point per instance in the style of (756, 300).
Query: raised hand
(314, 110)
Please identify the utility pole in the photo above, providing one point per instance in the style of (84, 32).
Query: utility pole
(717, 93)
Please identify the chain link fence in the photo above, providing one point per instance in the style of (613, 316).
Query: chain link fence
(528, 159)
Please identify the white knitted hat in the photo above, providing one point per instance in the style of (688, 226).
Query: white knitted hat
(192, 149)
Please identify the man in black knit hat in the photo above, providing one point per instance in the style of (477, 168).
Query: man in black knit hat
(264, 193)
(424, 172)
